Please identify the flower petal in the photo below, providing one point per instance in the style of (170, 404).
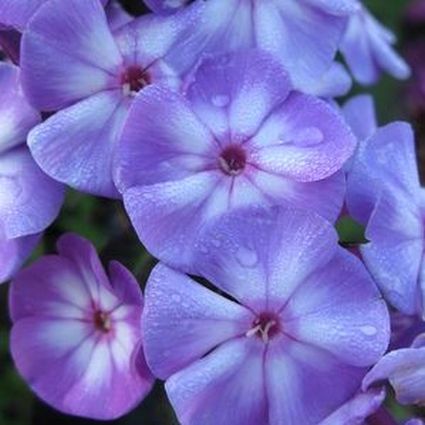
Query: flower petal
(360, 113)
(13, 252)
(305, 139)
(162, 140)
(298, 378)
(356, 410)
(29, 200)
(17, 116)
(324, 197)
(338, 308)
(17, 13)
(68, 53)
(226, 386)
(405, 369)
(387, 159)
(250, 252)
(76, 145)
(394, 254)
(285, 27)
(183, 321)
(233, 81)
(167, 216)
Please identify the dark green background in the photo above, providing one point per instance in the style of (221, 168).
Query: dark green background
(105, 224)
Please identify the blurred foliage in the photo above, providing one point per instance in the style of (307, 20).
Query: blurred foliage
(105, 223)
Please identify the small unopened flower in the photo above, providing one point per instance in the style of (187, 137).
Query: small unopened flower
(76, 335)
(286, 339)
(240, 137)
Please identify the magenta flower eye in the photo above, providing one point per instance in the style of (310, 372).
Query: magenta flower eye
(265, 326)
(102, 321)
(134, 79)
(232, 160)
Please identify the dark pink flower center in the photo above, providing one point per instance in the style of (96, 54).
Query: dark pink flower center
(134, 79)
(102, 322)
(232, 160)
(265, 326)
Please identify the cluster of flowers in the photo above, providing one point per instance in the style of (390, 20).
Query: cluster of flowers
(215, 122)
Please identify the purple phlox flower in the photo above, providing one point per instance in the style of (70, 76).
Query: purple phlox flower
(367, 49)
(405, 370)
(287, 339)
(16, 13)
(287, 28)
(384, 193)
(29, 200)
(76, 335)
(72, 62)
(240, 137)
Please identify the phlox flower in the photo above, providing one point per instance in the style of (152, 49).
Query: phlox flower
(76, 335)
(29, 200)
(367, 49)
(241, 136)
(287, 337)
(384, 193)
(289, 29)
(73, 62)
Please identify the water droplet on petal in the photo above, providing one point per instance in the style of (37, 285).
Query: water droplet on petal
(176, 298)
(247, 257)
(369, 330)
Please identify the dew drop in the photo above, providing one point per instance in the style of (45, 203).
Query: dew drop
(246, 257)
(369, 330)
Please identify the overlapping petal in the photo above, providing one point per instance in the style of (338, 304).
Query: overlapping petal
(386, 159)
(225, 386)
(250, 265)
(29, 199)
(17, 116)
(183, 321)
(304, 140)
(76, 145)
(68, 53)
